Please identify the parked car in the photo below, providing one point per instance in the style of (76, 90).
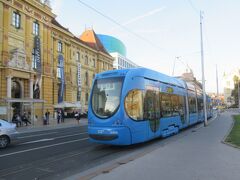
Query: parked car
(8, 133)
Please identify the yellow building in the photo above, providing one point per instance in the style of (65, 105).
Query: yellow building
(41, 63)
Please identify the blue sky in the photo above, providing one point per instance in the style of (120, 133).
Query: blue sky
(171, 25)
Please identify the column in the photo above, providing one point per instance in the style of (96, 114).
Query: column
(31, 88)
(9, 86)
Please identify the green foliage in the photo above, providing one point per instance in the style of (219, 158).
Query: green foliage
(235, 90)
(234, 135)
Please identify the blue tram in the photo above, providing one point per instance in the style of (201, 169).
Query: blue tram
(135, 105)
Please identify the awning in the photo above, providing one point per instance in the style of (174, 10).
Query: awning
(23, 100)
(65, 104)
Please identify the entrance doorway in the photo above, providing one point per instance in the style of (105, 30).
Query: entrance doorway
(16, 93)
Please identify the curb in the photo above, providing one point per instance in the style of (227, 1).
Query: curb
(225, 137)
(108, 166)
(50, 127)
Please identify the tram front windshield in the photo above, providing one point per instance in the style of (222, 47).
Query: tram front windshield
(106, 96)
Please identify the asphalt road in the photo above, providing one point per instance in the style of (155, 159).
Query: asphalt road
(52, 154)
(61, 153)
(55, 154)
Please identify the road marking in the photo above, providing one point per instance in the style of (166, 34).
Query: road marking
(22, 137)
(70, 135)
(40, 140)
(50, 139)
(43, 147)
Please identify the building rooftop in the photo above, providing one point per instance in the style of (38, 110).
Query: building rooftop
(90, 38)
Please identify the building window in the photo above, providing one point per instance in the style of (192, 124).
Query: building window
(34, 60)
(16, 20)
(78, 95)
(78, 56)
(86, 98)
(86, 60)
(86, 78)
(60, 68)
(35, 28)
(60, 46)
(94, 63)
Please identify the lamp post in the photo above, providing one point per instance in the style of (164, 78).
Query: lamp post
(203, 78)
(176, 58)
(238, 91)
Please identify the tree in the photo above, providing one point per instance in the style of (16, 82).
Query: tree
(234, 93)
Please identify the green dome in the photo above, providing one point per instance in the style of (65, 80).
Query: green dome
(112, 44)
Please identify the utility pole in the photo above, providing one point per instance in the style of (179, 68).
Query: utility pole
(203, 78)
(238, 91)
(217, 86)
(217, 81)
(176, 58)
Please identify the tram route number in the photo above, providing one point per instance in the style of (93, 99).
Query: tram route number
(101, 131)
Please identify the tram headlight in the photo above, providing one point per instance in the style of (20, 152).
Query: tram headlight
(117, 122)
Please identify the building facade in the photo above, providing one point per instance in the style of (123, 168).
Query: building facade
(41, 62)
(118, 51)
(121, 62)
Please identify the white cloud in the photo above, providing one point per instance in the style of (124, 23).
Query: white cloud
(135, 19)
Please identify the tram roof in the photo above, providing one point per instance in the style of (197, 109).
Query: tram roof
(147, 73)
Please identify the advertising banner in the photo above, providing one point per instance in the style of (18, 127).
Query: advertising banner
(37, 51)
(38, 82)
(79, 75)
(62, 85)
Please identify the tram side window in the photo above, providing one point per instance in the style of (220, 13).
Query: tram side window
(151, 105)
(166, 105)
(200, 104)
(134, 104)
(192, 105)
(177, 105)
(182, 105)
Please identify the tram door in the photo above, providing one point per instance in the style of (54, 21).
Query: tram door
(152, 111)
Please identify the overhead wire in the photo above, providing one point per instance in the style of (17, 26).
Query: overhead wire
(121, 26)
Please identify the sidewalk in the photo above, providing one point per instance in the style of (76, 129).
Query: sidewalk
(38, 125)
(200, 155)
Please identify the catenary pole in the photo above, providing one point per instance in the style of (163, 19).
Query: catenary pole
(203, 78)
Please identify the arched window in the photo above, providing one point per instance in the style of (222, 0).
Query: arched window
(16, 20)
(86, 60)
(86, 78)
(35, 28)
(78, 56)
(16, 89)
(86, 98)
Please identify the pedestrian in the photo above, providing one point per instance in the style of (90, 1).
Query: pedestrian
(78, 117)
(18, 120)
(25, 119)
(58, 117)
(44, 119)
(47, 114)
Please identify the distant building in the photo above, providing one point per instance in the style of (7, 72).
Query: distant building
(229, 86)
(118, 51)
(121, 62)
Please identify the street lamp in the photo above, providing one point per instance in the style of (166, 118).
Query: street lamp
(203, 78)
(176, 58)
